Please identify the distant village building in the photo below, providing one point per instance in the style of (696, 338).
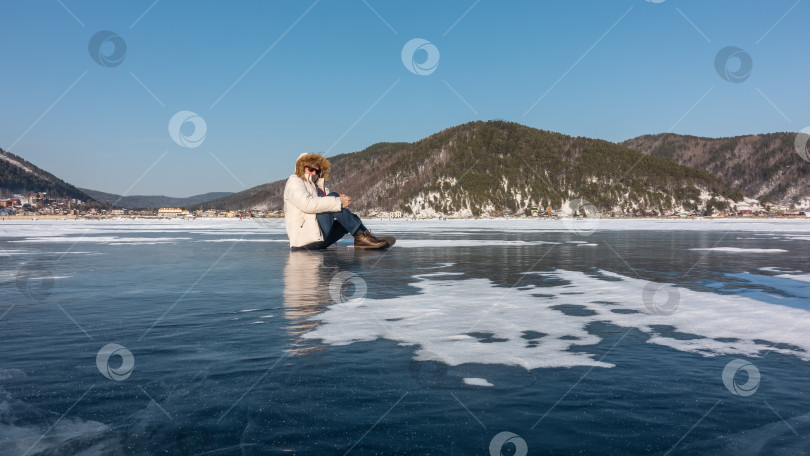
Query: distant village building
(396, 214)
(170, 211)
(744, 209)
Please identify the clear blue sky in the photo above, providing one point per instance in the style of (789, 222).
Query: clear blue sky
(273, 79)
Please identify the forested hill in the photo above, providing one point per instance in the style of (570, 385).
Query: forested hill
(764, 166)
(19, 176)
(488, 167)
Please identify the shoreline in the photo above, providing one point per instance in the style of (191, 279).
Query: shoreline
(13, 218)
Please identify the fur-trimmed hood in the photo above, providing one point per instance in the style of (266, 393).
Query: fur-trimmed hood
(309, 160)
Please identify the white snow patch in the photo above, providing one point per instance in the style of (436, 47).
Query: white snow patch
(477, 382)
(794, 237)
(414, 243)
(740, 250)
(18, 164)
(475, 321)
(245, 240)
(109, 240)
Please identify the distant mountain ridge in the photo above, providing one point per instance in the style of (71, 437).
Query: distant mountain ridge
(764, 166)
(485, 168)
(19, 176)
(151, 202)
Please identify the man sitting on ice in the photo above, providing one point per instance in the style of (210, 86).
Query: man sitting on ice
(316, 218)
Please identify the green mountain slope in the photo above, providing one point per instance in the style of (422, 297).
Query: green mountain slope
(765, 166)
(488, 167)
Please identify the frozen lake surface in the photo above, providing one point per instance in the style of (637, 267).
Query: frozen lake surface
(467, 337)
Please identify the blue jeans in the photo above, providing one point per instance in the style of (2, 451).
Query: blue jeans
(335, 225)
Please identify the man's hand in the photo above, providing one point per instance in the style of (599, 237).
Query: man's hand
(345, 201)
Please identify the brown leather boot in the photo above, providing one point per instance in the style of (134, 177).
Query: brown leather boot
(366, 240)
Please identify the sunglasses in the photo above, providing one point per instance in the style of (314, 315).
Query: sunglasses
(317, 171)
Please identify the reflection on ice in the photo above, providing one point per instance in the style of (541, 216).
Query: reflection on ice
(306, 293)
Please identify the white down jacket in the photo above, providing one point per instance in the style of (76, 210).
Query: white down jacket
(301, 203)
